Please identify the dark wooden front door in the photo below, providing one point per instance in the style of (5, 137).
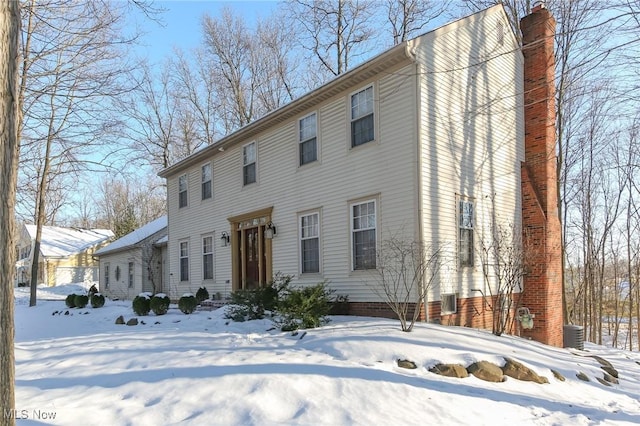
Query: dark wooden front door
(252, 258)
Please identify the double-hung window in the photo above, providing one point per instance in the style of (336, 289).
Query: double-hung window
(249, 163)
(310, 243)
(363, 235)
(182, 191)
(106, 275)
(130, 274)
(184, 261)
(307, 141)
(465, 233)
(207, 258)
(206, 181)
(362, 117)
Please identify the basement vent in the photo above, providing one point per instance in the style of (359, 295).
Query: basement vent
(573, 336)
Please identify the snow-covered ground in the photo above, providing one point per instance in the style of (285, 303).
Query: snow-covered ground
(81, 368)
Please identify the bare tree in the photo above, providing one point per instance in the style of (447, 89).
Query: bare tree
(334, 31)
(9, 142)
(405, 271)
(409, 17)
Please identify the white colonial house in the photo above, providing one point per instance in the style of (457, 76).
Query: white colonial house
(424, 142)
(135, 263)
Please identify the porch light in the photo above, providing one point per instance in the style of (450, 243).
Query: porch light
(270, 231)
(224, 239)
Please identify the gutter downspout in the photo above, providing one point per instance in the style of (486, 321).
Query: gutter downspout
(410, 53)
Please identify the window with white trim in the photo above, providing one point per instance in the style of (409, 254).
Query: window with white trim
(249, 163)
(448, 304)
(184, 261)
(363, 235)
(310, 243)
(465, 233)
(106, 275)
(207, 258)
(182, 191)
(362, 122)
(307, 139)
(131, 266)
(206, 181)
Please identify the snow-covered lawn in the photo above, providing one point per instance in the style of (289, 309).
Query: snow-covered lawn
(201, 369)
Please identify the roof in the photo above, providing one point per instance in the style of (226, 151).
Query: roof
(56, 241)
(135, 237)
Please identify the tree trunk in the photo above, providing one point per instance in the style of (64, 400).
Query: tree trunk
(9, 119)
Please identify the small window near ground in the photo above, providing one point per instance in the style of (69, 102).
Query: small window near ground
(182, 191)
(362, 122)
(206, 181)
(448, 304)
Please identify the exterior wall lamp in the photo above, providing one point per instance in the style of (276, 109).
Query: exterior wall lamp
(270, 231)
(224, 239)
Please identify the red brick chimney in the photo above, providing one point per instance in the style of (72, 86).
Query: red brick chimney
(542, 292)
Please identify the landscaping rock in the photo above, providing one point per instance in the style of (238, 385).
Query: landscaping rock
(405, 363)
(558, 376)
(582, 377)
(611, 371)
(133, 321)
(518, 371)
(611, 379)
(603, 382)
(450, 370)
(484, 370)
(120, 320)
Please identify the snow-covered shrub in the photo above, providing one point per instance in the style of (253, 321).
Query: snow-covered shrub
(160, 304)
(305, 307)
(70, 301)
(202, 294)
(142, 304)
(251, 304)
(187, 303)
(97, 300)
(81, 300)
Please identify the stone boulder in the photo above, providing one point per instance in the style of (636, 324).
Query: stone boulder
(120, 320)
(484, 370)
(450, 370)
(518, 371)
(405, 363)
(133, 321)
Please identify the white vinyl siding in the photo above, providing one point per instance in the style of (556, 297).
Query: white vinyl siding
(362, 117)
(183, 186)
(310, 243)
(207, 184)
(308, 139)
(249, 163)
(363, 235)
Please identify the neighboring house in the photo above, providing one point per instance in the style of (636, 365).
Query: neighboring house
(135, 263)
(66, 254)
(424, 142)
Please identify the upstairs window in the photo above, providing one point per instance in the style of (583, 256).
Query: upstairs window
(206, 181)
(207, 258)
(249, 163)
(307, 142)
(465, 233)
(362, 117)
(184, 261)
(182, 191)
(310, 243)
(363, 229)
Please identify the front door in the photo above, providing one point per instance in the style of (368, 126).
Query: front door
(251, 259)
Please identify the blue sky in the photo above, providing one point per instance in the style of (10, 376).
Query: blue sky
(182, 23)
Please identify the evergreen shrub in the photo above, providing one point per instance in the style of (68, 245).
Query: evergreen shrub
(160, 304)
(187, 303)
(142, 304)
(97, 300)
(70, 301)
(202, 294)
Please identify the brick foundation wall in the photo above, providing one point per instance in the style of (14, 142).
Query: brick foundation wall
(540, 222)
